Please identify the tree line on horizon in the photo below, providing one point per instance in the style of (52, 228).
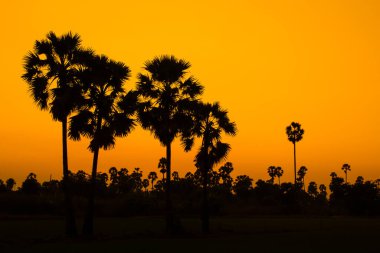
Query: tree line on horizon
(86, 92)
(122, 192)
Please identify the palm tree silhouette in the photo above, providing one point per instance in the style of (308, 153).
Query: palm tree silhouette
(10, 183)
(272, 172)
(152, 176)
(279, 173)
(162, 164)
(346, 168)
(166, 94)
(301, 175)
(295, 133)
(51, 73)
(211, 122)
(107, 114)
(145, 184)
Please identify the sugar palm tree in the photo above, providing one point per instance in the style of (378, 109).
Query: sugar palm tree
(162, 164)
(108, 113)
(166, 93)
(10, 183)
(145, 184)
(152, 176)
(346, 168)
(301, 176)
(212, 122)
(295, 133)
(279, 173)
(272, 172)
(51, 73)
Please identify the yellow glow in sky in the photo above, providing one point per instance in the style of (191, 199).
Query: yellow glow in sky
(268, 62)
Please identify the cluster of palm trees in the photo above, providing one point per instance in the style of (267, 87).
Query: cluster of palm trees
(274, 171)
(86, 93)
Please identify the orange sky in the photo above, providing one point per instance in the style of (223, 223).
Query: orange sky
(268, 62)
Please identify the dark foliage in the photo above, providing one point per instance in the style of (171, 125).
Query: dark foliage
(122, 193)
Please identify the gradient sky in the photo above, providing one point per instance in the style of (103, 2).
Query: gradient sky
(268, 62)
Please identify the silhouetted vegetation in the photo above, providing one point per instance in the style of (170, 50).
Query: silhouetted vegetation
(167, 101)
(51, 73)
(295, 134)
(86, 93)
(123, 193)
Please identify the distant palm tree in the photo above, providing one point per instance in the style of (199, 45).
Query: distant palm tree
(295, 133)
(162, 164)
(152, 176)
(10, 183)
(211, 122)
(175, 176)
(279, 173)
(346, 168)
(272, 172)
(145, 184)
(51, 73)
(301, 175)
(312, 189)
(166, 95)
(107, 114)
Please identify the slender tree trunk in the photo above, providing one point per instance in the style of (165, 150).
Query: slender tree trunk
(279, 182)
(169, 208)
(346, 176)
(295, 166)
(71, 229)
(205, 216)
(88, 224)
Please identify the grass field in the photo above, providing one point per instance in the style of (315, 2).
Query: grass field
(229, 234)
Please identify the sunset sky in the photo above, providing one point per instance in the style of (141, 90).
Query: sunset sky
(268, 62)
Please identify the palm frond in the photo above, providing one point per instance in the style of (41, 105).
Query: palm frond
(82, 124)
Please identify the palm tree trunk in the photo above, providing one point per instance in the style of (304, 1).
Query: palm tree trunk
(295, 166)
(169, 208)
(88, 225)
(279, 182)
(71, 229)
(205, 216)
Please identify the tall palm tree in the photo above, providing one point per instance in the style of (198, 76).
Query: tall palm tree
(107, 114)
(295, 133)
(346, 168)
(166, 93)
(212, 122)
(51, 73)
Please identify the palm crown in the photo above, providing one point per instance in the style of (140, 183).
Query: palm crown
(212, 121)
(51, 72)
(294, 132)
(108, 110)
(166, 95)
